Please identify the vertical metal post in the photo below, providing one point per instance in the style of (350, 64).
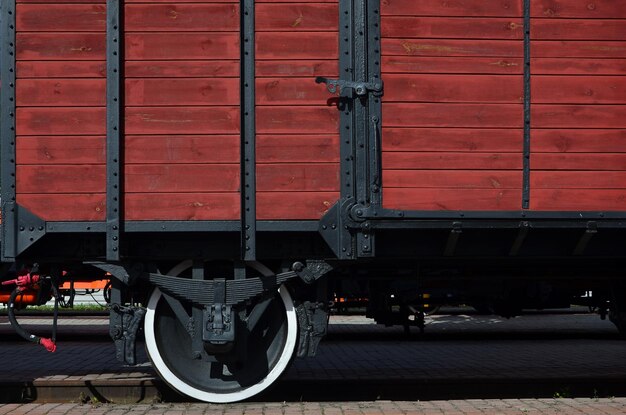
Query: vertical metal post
(526, 162)
(7, 128)
(360, 110)
(113, 127)
(346, 121)
(248, 133)
(375, 102)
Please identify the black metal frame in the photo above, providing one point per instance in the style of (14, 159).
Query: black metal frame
(248, 132)
(349, 228)
(527, 80)
(114, 192)
(7, 129)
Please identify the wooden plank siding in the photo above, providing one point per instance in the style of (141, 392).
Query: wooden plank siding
(453, 104)
(297, 120)
(181, 106)
(578, 159)
(60, 109)
(182, 95)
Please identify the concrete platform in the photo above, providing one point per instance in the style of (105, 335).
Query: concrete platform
(459, 357)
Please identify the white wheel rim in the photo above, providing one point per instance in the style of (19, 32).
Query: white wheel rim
(202, 395)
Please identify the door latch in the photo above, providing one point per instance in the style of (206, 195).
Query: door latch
(349, 89)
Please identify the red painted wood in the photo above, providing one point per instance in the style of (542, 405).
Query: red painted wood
(578, 180)
(458, 65)
(302, 148)
(578, 116)
(139, 178)
(61, 46)
(578, 8)
(451, 8)
(578, 141)
(293, 120)
(214, 149)
(173, 149)
(186, 1)
(61, 69)
(291, 91)
(578, 161)
(297, 177)
(576, 199)
(463, 179)
(568, 66)
(578, 89)
(182, 120)
(301, 16)
(198, 91)
(181, 69)
(61, 92)
(453, 115)
(61, 179)
(181, 178)
(300, 68)
(61, 150)
(451, 161)
(181, 46)
(60, 17)
(578, 49)
(61, 121)
(213, 17)
(577, 29)
(65, 207)
(182, 206)
(452, 139)
(299, 45)
(294, 205)
(454, 88)
(292, 1)
(452, 199)
(445, 47)
(64, 1)
(452, 27)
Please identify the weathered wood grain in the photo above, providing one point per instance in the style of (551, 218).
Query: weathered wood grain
(453, 115)
(452, 199)
(452, 139)
(294, 205)
(453, 88)
(300, 177)
(209, 17)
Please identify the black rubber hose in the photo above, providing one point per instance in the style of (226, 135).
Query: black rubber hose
(16, 326)
(48, 344)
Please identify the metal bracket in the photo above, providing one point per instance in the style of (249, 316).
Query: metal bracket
(123, 326)
(520, 238)
(30, 229)
(218, 319)
(350, 89)
(334, 229)
(117, 271)
(313, 326)
(218, 324)
(590, 232)
(312, 271)
(453, 239)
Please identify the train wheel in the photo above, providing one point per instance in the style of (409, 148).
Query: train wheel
(223, 377)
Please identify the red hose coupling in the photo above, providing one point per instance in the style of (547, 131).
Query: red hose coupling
(24, 280)
(48, 344)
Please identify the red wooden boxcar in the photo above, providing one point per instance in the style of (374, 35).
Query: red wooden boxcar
(233, 164)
